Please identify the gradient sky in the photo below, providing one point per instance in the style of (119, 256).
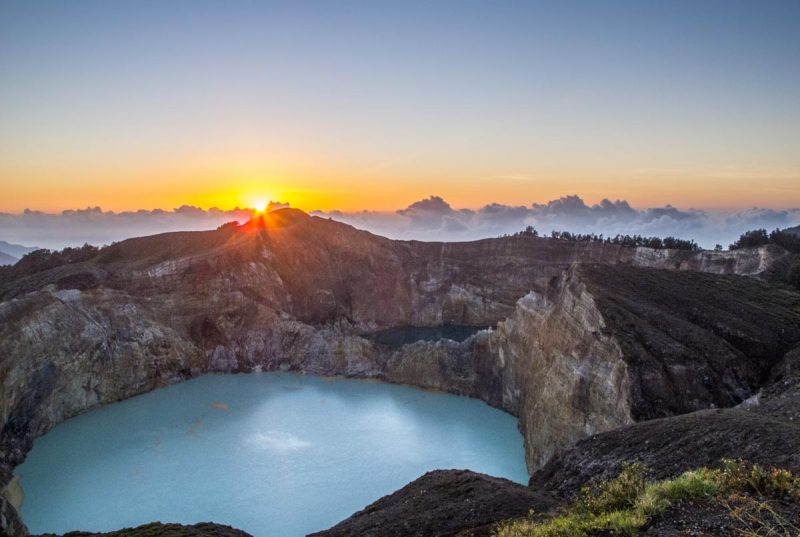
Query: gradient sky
(376, 104)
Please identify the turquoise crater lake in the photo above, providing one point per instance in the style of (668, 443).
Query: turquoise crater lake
(274, 454)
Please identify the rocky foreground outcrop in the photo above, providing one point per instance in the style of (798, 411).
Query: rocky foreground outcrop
(157, 529)
(585, 338)
(441, 503)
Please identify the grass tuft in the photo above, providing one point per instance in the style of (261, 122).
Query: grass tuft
(625, 504)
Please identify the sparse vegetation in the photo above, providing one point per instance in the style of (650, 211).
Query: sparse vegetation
(786, 239)
(751, 239)
(757, 518)
(529, 231)
(667, 243)
(670, 243)
(759, 237)
(627, 503)
(229, 226)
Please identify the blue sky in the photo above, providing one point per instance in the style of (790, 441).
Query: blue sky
(348, 104)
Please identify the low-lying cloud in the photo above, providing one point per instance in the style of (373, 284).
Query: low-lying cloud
(99, 227)
(431, 219)
(434, 219)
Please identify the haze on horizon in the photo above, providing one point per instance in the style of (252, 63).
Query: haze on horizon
(376, 105)
(431, 219)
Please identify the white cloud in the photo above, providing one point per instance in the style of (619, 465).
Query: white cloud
(430, 219)
(98, 227)
(434, 219)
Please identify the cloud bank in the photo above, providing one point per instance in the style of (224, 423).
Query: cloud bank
(428, 219)
(99, 227)
(434, 219)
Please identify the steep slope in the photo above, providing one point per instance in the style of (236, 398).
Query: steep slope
(714, 337)
(605, 346)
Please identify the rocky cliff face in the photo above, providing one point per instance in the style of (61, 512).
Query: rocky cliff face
(559, 373)
(576, 349)
(604, 346)
(748, 262)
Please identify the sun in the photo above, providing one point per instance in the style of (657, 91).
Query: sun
(260, 205)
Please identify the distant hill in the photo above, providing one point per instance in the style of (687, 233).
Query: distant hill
(16, 250)
(793, 230)
(6, 259)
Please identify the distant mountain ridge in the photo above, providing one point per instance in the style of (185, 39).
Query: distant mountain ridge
(6, 259)
(10, 253)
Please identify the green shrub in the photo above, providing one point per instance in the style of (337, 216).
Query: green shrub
(616, 494)
(737, 476)
(689, 485)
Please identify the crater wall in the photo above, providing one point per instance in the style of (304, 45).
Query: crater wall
(296, 294)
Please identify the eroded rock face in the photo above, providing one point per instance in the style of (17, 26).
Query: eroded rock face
(780, 398)
(560, 374)
(747, 262)
(604, 346)
(575, 352)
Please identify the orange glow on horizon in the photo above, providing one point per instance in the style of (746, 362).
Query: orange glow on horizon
(254, 189)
